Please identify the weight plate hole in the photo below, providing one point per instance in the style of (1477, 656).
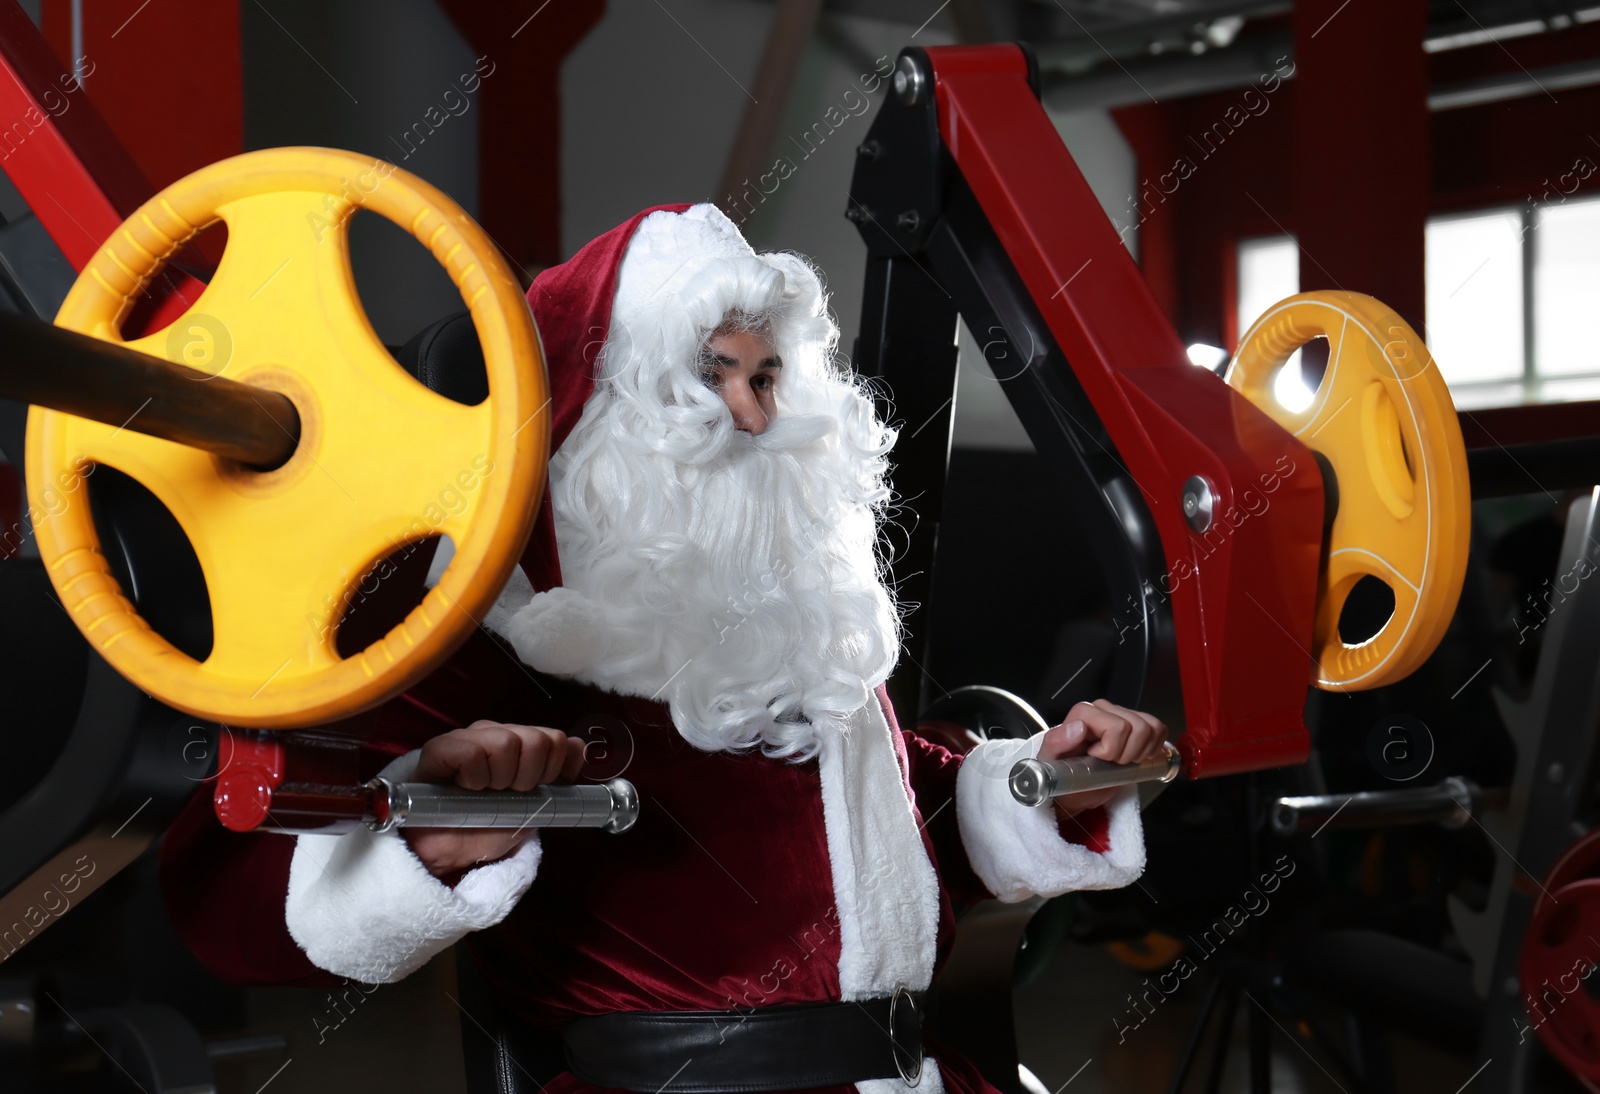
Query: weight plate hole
(385, 594)
(397, 279)
(152, 559)
(1295, 385)
(1366, 611)
(199, 259)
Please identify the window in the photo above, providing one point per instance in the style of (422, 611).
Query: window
(1474, 299)
(1269, 270)
(1566, 293)
(1509, 296)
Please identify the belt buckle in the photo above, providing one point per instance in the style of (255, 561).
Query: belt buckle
(906, 1062)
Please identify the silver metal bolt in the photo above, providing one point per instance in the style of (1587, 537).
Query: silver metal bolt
(908, 81)
(1198, 502)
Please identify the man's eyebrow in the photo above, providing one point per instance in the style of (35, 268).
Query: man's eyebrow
(722, 360)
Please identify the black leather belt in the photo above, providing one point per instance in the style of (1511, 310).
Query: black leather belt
(762, 1049)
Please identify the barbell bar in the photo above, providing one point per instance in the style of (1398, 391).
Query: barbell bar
(1451, 803)
(78, 374)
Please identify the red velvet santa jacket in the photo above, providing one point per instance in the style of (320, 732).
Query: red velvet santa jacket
(723, 895)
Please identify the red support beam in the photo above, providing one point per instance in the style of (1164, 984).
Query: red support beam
(58, 151)
(67, 164)
(1360, 152)
(1225, 159)
(1533, 151)
(1149, 215)
(165, 76)
(10, 511)
(519, 129)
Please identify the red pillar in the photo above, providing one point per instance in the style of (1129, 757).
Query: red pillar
(10, 511)
(1361, 182)
(166, 78)
(1147, 214)
(519, 131)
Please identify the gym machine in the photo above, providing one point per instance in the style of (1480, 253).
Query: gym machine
(969, 206)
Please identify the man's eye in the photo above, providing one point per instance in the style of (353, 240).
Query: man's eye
(712, 378)
(762, 383)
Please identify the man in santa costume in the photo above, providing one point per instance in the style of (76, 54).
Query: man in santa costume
(704, 581)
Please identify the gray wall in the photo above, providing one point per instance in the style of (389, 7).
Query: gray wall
(649, 109)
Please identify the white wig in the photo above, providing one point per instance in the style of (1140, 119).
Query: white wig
(733, 576)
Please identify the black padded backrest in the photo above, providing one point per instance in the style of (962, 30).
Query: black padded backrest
(448, 359)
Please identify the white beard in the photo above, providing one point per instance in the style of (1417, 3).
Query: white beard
(739, 585)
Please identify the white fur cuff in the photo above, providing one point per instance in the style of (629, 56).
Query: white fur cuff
(556, 632)
(363, 905)
(1018, 852)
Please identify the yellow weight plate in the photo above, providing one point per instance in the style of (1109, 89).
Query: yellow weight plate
(1383, 418)
(382, 461)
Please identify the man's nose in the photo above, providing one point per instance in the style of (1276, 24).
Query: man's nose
(747, 413)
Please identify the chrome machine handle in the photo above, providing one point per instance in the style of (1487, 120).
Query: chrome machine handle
(1034, 781)
(612, 806)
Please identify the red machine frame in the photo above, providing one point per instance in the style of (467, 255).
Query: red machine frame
(1241, 596)
(1244, 620)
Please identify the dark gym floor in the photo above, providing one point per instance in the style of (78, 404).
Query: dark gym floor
(1067, 1037)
